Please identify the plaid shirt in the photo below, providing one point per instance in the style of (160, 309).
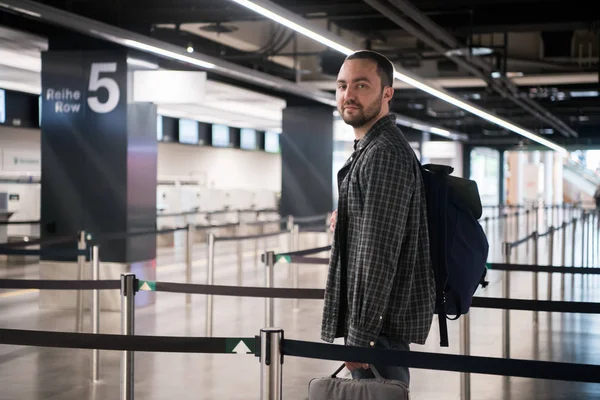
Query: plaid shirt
(380, 280)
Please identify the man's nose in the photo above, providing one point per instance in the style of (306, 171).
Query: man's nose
(349, 94)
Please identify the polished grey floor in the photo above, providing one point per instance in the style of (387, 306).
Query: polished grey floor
(49, 374)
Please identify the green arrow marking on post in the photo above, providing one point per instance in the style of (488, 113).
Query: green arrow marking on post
(239, 346)
(149, 286)
(284, 257)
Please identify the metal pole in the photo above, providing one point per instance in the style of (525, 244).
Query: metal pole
(95, 313)
(589, 239)
(240, 232)
(550, 259)
(537, 218)
(563, 259)
(189, 256)
(527, 216)
(487, 226)
(81, 245)
(506, 313)
(269, 275)
(536, 250)
(271, 364)
(574, 239)
(583, 226)
(210, 281)
(295, 269)
(127, 328)
(465, 344)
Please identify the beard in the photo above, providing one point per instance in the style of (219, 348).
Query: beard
(363, 115)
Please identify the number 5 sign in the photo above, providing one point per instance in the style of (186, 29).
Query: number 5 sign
(96, 82)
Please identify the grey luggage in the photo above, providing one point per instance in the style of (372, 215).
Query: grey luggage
(333, 388)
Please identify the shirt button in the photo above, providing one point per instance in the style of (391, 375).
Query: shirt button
(380, 317)
(372, 344)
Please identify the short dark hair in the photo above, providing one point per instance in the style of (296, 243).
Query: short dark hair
(385, 68)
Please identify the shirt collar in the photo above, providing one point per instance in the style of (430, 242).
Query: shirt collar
(381, 123)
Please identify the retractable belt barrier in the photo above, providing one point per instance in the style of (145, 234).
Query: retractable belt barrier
(296, 348)
(283, 293)
(104, 237)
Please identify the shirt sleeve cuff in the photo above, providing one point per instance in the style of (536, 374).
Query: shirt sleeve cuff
(357, 337)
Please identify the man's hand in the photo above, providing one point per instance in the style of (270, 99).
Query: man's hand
(353, 365)
(333, 221)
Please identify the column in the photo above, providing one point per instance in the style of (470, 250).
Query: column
(307, 157)
(99, 166)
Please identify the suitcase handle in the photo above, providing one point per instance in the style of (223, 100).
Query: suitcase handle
(371, 367)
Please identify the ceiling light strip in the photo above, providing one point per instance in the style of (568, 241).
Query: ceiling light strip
(298, 24)
(134, 40)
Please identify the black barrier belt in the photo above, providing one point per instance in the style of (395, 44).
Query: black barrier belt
(203, 227)
(40, 242)
(521, 241)
(306, 252)
(59, 284)
(249, 237)
(537, 305)
(315, 218)
(308, 260)
(37, 252)
(32, 222)
(122, 235)
(240, 291)
(445, 362)
(543, 268)
(159, 344)
(259, 223)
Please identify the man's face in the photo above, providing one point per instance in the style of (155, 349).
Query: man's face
(359, 94)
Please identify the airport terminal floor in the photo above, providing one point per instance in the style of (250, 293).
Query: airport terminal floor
(39, 373)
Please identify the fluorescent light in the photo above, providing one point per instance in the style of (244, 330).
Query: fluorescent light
(333, 44)
(167, 53)
(590, 93)
(141, 63)
(438, 131)
(294, 26)
(477, 111)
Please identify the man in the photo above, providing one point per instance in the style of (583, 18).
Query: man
(380, 288)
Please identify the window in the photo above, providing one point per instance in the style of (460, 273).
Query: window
(248, 139)
(220, 136)
(272, 142)
(188, 131)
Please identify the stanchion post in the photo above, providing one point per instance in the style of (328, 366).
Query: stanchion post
(128, 290)
(506, 313)
(527, 216)
(271, 364)
(536, 250)
(95, 312)
(210, 281)
(239, 247)
(81, 245)
(574, 241)
(295, 267)
(269, 277)
(465, 344)
(563, 258)
(583, 228)
(189, 257)
(487, 225)
(550, 259)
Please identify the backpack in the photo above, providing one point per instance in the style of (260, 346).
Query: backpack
(458, 244)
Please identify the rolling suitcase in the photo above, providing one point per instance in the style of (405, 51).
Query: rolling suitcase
(334, 388)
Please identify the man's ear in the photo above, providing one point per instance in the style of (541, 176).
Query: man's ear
(388, 93)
